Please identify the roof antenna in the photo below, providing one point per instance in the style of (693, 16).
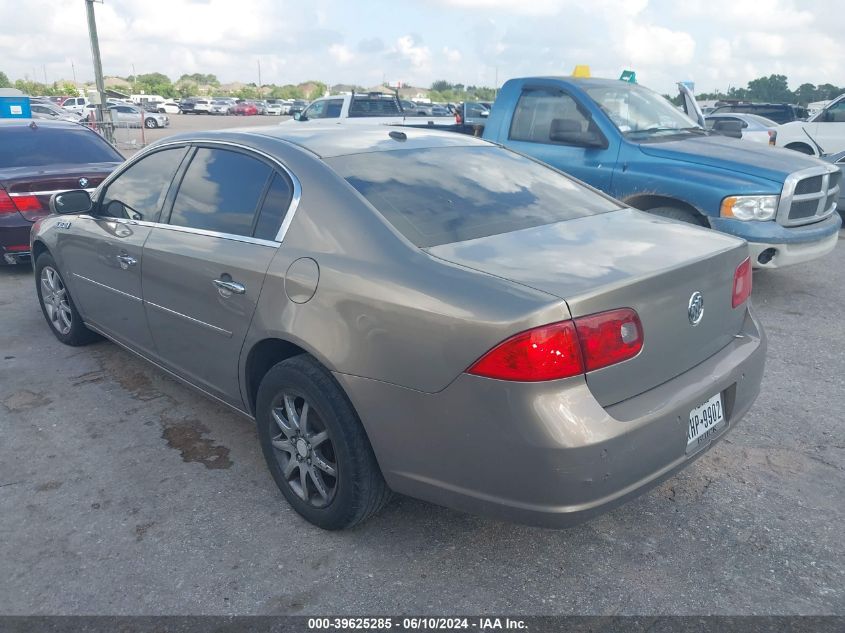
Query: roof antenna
(397, 136)
(32, 125)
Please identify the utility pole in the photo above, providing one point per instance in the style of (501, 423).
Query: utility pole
(103, 113)
(44, 68)
(259, 78)
(73, 70)
(134, 80)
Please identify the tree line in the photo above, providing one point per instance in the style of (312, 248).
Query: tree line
(775, 89)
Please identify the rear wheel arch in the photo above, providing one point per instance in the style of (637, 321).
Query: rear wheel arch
(666, 206)
(38, 247)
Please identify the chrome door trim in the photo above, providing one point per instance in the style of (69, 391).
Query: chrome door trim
(291, 210)
(213, 328)
(18, 194)
(185, 229)
(115, 290)
(168, 371)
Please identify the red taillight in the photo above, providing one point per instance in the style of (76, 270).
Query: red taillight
(544, 353)
(564, 349)
(18, 248)
(742, 283)
(27, 203)
(6, 204)
(608, 338)
(458, 118)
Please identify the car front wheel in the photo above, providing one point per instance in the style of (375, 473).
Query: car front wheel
(150, 123)
(57, 304)
(315, 446)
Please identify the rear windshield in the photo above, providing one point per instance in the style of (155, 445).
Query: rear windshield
(443, 195)
(22, 146)
(373, 106)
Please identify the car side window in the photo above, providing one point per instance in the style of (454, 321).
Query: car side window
(220, 192)
(315, 110)
(139, 192)
(542, 114)
(333, 108)
(274, 208)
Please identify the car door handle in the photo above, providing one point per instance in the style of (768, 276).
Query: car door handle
(231, 286)
(126, 261)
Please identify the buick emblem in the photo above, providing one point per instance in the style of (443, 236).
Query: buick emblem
(695, 309)
(83, 182)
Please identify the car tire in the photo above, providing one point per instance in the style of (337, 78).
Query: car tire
(58, 308)
(332, 438)
(802, 148)
(682, 215)
(150, 123)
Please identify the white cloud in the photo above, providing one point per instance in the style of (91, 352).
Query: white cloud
(648, 44)
(408, 49)
(452, 55)
(341, 54)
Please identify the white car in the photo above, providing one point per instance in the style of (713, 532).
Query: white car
(753, 127)
(275, 109)
(825, 129)
(168, 107)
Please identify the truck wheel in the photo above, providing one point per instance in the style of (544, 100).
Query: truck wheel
(315, 446)
(682, 215)
(801, 147)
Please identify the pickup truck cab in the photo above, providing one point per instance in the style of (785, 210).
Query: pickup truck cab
(631, 143)
(825, 130)
(362, 108)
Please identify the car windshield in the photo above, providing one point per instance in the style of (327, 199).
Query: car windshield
(27, 147)
(496, 191)
(639, 112)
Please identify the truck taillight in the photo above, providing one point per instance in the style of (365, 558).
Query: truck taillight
(564, 349)
(742, 283)
(458, 119)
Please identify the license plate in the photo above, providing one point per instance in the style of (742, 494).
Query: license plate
(704, 420)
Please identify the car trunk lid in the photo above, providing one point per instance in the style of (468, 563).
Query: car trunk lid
(30, 188)
(625, 259)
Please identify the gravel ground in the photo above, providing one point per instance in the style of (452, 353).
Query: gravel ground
(124, 492)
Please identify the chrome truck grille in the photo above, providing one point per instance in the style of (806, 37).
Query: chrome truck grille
(809, 195)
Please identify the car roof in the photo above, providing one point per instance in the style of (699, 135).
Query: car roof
(336, 140)
(42, 123)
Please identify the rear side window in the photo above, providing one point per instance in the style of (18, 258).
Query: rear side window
(442, 195)
(542, 114)
(220, 192)
(274, 207)
(138, 193)
(22, 146)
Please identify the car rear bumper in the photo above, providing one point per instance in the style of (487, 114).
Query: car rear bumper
(547, 453)
(14, 235)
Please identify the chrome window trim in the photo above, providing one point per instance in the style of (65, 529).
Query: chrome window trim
(18, 194)
(97, 283)
(291, 210)
(213, 328)
(185, 229)
(788, 195)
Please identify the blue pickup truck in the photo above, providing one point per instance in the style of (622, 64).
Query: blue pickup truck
(636, 146)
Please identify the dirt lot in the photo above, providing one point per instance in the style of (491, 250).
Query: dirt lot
(123, 492)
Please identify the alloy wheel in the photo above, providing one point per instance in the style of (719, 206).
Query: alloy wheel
(304, 450)
(55, 299)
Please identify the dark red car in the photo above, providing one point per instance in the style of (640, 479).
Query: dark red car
(245, 109)
(37, 159)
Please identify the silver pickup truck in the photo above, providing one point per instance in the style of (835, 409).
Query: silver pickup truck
(362, 108)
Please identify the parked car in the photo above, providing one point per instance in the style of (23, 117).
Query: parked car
(167, 107)
(633, 144)
(472, 115)
(825, 130)
(129, 116)
(359, 109)
(778, 112)
(298, 105)
(75, 104)
(245, 109)
(274, 109)
(748, 127)
(261, 106)
(220, 107)
(50, 111)
(39, 158)
(195, 106)
(392, 322)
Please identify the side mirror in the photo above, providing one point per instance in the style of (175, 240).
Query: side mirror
(728, 128)
(70, 202)
(485, 114)
(297, 116)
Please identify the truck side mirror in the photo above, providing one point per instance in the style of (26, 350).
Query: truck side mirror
(297, 116)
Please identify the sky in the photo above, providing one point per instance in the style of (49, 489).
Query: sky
(715, 43)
